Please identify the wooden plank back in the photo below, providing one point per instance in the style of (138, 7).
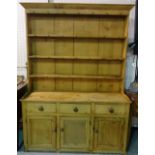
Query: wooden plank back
(76, 50)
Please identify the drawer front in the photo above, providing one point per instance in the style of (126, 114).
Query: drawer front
(41, 107)
(110, 109)
(75, 108)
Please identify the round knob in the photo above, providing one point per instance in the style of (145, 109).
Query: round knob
(76, 109)
(95, 130)
(62, 129)
(111, 110)
(41, 108)
(55, 130)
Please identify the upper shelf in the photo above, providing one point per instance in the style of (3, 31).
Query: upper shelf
(76, 77)
(75, 58)
(78, 37)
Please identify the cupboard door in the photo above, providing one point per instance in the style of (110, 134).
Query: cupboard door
(74, 133)
(108, 134)
(41, 133)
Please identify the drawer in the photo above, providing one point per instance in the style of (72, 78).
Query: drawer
(41, 107)
(75, 108)
(110, 109)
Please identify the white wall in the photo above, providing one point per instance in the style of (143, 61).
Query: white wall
(22, 56)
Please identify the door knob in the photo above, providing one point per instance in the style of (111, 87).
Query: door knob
(55, 130)
(76, 109)
(111, 110)
(41, 108)
(95, 130)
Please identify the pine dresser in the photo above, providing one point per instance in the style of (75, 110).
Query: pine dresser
(76, 67)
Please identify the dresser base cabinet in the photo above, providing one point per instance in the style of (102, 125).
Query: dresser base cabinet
(92, 125)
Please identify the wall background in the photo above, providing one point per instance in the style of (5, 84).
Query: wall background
(21, 35)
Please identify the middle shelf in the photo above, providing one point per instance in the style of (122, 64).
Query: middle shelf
(118, 78)
(75, 58)
(76, 36)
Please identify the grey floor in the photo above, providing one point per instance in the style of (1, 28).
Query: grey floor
(132, 150)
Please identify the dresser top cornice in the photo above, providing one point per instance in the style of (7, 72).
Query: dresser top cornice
(70, 8)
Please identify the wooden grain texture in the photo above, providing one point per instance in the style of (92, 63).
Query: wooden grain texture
(74, 9)
(43, 85)
(63, 47)
(101, 129)
(72, 108)
(63, 25)
(76, 58)
(110, 26)
(85, 47)
(41, 109)
(41, 133)
(76, 64)
(110, 48)
(43, 67)
(115, 109)
(41, 24)
(105, 53)
(77, 96)
(42, 47)
(108, 133)
(75, 133)
(28, 45)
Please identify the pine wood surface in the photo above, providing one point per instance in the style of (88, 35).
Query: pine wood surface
(76, 70)
(76, 8)
(91, 57)
(77, 97)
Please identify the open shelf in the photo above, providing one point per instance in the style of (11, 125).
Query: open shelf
(75, 58)
(78, 37)
(76, 77)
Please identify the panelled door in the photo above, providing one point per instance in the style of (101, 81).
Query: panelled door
(41, 133)
(108, 134)
(75, 133)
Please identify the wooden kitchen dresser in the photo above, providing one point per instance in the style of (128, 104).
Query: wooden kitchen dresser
(76, 66)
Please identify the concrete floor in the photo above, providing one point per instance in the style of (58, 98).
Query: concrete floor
(132, 150)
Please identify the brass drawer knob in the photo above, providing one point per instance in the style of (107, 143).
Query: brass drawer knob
(55, 130)
(76, 109)
(95, 130)
(111, 110)
(41, 108)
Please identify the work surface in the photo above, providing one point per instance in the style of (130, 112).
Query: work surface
(77, 97)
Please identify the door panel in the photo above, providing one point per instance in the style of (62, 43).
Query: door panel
(41, 133)
(75, 133)
(108, 133)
